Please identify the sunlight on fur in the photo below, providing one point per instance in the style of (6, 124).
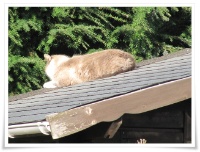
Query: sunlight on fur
(65, 71)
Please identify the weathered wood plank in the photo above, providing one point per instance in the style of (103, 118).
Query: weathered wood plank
(113, 128)
(77, 119)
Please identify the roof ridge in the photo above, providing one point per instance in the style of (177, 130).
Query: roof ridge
(164, 57)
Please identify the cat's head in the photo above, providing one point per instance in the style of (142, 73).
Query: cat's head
(56, 59)
(53, 62)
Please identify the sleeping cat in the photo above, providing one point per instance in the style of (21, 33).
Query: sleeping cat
(65, 71)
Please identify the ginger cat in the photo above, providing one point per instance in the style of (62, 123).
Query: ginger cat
(65, 71)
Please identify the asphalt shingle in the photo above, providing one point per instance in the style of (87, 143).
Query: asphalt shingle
(35, 108)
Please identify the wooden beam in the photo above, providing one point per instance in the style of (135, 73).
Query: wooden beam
(77, 119)
(113, 128)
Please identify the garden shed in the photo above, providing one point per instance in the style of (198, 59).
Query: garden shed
(152, 102)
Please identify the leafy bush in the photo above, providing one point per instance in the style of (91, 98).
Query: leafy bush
(25, 74)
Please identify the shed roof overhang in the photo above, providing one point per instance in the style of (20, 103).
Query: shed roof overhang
(77, 119)
(74, 120)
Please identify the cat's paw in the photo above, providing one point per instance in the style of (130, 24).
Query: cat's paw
(49, 84)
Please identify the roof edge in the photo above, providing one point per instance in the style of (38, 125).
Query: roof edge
(62, 124)
(164, 57)
(42, 128)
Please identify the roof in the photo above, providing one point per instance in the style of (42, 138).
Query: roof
(36, 106)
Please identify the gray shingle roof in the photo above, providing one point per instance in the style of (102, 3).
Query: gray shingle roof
(35, 108)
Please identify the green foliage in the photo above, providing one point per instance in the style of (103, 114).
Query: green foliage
(25, 74)
(149, 34)
(77, 37)
(136, 36)
(145, 32)
(80, 29)
(24, 29)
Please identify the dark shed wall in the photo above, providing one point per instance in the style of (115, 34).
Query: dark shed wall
(164, 125)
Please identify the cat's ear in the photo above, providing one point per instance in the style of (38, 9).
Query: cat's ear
(47, 57)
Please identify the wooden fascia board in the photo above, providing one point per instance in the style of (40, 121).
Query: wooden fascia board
(77, 119)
